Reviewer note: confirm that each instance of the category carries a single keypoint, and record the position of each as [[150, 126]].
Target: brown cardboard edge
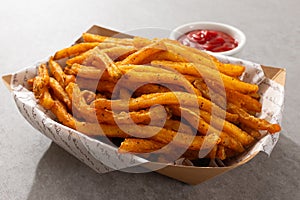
[[7, 79], [275, 73], [188, 174]]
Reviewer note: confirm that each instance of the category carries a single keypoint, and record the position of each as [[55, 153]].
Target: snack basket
[[103, 158]]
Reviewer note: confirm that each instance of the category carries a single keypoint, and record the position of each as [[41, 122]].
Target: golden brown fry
[[57, 72], [210, 74], [140, 56], [74, 50], [221, 154], [135, 145], [41, 82], [155, 88], [254, 133], [88, 37], [217, 95], [229, 128], [96, 129], [205, 128], [167, 98], [46, 100], [86, 71], [140, 42], [253, 122], [62, 115], [95, 85], [161, 78], [60, 93], [108, 63], [119, 52], [176, 125], [79, 59], [164, 55], [228, 68], [80, 107]]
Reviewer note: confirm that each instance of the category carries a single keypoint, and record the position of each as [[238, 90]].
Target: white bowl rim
[[178, 31]]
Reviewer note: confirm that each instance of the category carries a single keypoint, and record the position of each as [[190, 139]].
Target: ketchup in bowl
[[210, 40]]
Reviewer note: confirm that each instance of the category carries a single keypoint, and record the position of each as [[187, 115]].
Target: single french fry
[[96, 129], [205, 128], [74, 50], [254, 133], [135, 145], [41, 82], [57, 72], [79, 106], [155, 88], [228, 68], [176, 125], [60, 93], [164, 55], [252, 121], [79, 59], [143, 68], [140, 56], [109, 64], [88, 37], [95, 85], [87, 71], [161, 78], [140, 42], [229, 128], [207, 73], [62, 115], [221, 154]]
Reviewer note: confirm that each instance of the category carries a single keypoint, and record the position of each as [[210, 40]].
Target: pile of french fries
[[159, 96]]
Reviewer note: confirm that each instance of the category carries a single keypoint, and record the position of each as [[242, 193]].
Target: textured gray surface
[[33, 168]]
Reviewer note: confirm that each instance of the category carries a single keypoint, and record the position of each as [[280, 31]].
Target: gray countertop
[[31, 167]]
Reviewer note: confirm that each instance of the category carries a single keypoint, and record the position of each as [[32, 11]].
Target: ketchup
[[211, 40]]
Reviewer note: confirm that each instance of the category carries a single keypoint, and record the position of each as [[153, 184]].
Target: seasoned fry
[[229, 128], [140, 42], [74, 50], [204, 128], [141, 56], [57, 72], [162, 78], [134, 145], [60, 93], [79, 59], [202, 71], [87, 37], [253, 122]]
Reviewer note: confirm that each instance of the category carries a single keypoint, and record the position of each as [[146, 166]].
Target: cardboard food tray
[[75, 143]]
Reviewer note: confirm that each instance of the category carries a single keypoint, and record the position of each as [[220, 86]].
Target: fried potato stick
[[205, 128], [88, 37], [252, 121], [60, 93], [232, 96], [199, 57], [161, 78], [135, 145], [207, 73], [141, 56], [229, 128], [74, 50], [167, 98]]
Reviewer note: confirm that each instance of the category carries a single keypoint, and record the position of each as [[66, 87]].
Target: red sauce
[[215, 41]]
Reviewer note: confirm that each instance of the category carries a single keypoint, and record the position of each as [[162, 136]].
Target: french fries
[[111, 87]]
